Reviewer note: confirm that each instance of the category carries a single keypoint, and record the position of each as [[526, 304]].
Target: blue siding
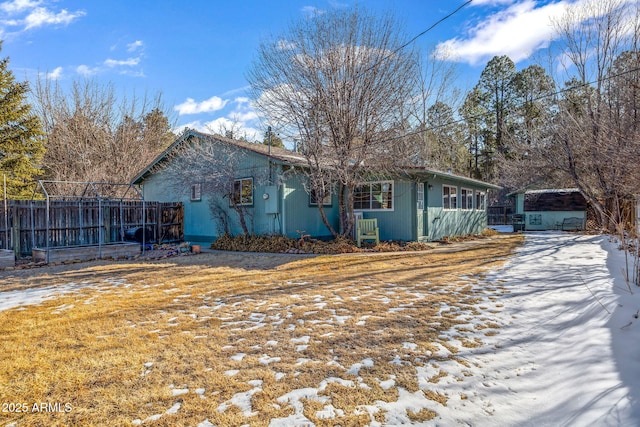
[[400, 223], [199, 223], [300, 216], [442, 222], [288, 211]]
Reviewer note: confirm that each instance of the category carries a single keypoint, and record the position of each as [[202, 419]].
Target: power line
[[435, 24], [541, 97], [438, 22]]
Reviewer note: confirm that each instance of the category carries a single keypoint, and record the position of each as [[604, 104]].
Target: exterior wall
[[545, 219], [287, 209], [298, 214], [400, 223], [550, 220], [442, 222], [405, 222], [520, 203], [199, 223]]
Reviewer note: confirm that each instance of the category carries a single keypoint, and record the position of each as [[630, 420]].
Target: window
[[373, 196], [481, 200], [243, 191], [449, 197], [196, 192], [535, 219], [326, 200], [420, 196], [466, 198]]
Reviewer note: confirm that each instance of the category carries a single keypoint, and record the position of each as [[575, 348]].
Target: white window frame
[[420, 196], [466, 198], [448, 196], [196, 192], [390, 196], [481, 201], [238, 185]]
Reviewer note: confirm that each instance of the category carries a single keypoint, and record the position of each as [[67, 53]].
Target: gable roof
[[280, 155], [284, 156]]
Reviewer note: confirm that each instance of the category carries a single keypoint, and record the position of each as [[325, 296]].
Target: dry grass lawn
[[243, 338]]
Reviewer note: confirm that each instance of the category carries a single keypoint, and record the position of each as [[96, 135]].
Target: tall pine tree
[[21, 136]]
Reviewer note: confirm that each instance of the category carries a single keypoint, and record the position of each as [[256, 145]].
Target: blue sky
[[196, 52]]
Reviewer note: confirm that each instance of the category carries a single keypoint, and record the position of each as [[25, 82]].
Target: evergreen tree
[[495, 94], [21, 136], [276, 141]]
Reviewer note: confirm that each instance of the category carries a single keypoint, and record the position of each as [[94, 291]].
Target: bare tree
[[209, 167], [431, 123], [597, 142], [91, 135], [338, 82], [587, 135]]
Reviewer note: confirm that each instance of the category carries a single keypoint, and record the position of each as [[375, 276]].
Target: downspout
[[284, 210]]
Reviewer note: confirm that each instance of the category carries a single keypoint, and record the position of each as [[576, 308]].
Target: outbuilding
[[550, 209]]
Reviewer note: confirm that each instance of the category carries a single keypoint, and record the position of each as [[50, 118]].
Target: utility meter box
[[270, 197]]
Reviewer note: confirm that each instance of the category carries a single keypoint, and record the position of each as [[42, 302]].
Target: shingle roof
[[285, 156], [279, 154]]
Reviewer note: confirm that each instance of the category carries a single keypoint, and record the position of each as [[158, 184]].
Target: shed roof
[[554, 200]]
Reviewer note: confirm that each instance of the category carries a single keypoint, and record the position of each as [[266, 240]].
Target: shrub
[[282, 244]]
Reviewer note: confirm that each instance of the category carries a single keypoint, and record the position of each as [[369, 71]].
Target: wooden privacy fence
[[26, 224]]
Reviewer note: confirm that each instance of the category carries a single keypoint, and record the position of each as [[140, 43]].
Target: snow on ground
[[566, 354], [502, 228], [34, 296]]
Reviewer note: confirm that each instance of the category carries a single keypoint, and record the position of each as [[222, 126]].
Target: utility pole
[[269, 153]]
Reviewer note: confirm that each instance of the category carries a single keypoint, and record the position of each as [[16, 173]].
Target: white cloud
[[218, 125], [34, 14], [244, 111], [132, 47], [86, 70], [243, 119], [241, 130], [311, 10], [516, 31], [55, 74], [42, 16], [17, 6], [190, 106], [129, 62], [490, 2]]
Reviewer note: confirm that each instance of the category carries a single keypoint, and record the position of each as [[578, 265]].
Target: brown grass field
[[225, 337]]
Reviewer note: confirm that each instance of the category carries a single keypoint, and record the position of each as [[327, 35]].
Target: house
[[418, 205], [549, 209]]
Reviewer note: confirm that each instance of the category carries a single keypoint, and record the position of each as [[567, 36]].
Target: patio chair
[[367, 229]]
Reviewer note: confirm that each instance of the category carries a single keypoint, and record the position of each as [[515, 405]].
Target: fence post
[[107, 221], [15, 230], [159, 222]]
